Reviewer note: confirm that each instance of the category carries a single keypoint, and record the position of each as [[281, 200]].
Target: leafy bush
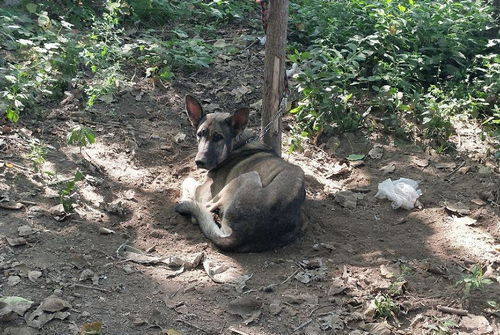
[[425, 59]]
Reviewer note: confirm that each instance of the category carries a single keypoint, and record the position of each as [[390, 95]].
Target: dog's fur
[[256, 195]]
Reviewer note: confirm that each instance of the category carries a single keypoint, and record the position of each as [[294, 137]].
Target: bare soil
[[321, 284]]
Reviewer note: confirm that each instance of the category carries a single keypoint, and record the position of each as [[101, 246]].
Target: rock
[[34, 275], [57, 210], [19, 331], [389, 168], [476, 324], [275, 307], [180, 137], [376, 152], [54, 304], [16, 241], [13, 280], [247, 307], [25, 230], [346, 199]]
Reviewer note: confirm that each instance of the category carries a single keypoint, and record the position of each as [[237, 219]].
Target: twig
[[289, 277], [318, 308], [92, 287], [192, 325], [451, 310], [458, 168], [237, 331], [26, 202], [301, 326]]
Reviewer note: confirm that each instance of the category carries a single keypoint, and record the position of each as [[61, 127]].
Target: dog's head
[[215, 132]]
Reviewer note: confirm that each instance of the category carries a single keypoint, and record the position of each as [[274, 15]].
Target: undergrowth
[[402, 64]]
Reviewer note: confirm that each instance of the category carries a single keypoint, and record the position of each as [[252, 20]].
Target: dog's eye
[[217, 137]]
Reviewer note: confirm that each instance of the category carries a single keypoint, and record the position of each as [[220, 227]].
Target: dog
[[251, 199]]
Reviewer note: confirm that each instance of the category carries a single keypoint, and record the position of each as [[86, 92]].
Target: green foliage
[[52, 45], [80, 136], [474, 281], [421, 60], [385, 306], [442, 327], [37, 154], [66, 192]]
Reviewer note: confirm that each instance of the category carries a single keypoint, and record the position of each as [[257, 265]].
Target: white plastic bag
[[403, 192]]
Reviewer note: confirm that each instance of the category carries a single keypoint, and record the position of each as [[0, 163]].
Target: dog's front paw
[[183, 207]]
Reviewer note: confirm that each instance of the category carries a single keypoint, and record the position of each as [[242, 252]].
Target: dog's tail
[[220, 236]]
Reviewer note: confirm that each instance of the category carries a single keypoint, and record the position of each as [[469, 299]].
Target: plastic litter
[[403, 192]]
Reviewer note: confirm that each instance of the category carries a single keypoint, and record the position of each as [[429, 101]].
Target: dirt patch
[[324, 283]]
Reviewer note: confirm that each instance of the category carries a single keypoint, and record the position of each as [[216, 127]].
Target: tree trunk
[[274, 73]]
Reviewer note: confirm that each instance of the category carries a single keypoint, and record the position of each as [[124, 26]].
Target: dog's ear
[[194, 110], [239, 120]]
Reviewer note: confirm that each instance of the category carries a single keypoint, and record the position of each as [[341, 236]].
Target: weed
[[474, 281], [423, 61], [67, 191], [442, 327], [81, 137], [385, 306], [399, 283], [37, 154]]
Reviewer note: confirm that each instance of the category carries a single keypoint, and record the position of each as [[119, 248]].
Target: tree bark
[[274, 73]]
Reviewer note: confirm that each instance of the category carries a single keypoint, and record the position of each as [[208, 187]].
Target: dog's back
[[263, 217]]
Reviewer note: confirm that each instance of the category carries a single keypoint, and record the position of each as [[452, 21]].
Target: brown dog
[[255, 195]]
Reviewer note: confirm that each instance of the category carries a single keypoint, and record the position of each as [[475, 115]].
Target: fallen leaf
[[389, 168], [220, 43], [355, 157], [171, 332], [421, 162], [18, 305], [93, 328]]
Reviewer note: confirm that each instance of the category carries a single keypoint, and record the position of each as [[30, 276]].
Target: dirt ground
[[125, 259]]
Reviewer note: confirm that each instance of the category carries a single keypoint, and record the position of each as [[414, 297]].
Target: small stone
[[13, 280], [376, 152], [180, 137], [477, 324], [17, 241], [346, 199], [128, 269], [34, 275], [25, 231], [85, 314], [54, 304]]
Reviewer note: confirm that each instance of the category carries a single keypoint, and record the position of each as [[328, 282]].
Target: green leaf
[[355, 157], [12, 115], [31, 7]]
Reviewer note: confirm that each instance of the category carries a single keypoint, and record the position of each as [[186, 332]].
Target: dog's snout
[[200, 163]]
